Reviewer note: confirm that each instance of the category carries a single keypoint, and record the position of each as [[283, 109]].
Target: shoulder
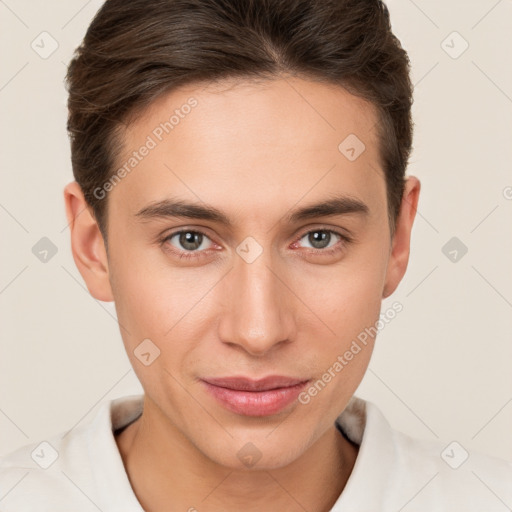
[[49, 473], [394, 471], [80, 469], [446, 474]]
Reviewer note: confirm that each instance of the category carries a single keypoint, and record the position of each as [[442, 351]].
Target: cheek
[[352, 318], [347, 296], [151, 305], [151, 308], [343, 357], [164, 304], [347, 299]]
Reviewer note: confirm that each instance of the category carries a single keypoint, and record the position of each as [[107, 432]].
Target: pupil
[[190, 240], [319, 239]]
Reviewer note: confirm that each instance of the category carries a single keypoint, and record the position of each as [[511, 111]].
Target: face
[[244, 242]]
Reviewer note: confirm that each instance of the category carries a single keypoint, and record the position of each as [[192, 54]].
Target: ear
[[400, 247], [87, 244]]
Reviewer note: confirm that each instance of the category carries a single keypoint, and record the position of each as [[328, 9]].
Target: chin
[[256, 453]]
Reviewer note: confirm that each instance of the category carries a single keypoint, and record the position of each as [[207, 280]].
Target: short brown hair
[[136, 50]]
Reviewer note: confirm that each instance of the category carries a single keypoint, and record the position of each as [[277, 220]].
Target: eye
[[323, 241], [320, 238], [188, 241]]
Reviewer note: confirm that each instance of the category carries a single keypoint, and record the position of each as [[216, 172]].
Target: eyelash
[[345, 240]]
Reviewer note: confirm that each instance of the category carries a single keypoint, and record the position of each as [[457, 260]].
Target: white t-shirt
[[83, 470]]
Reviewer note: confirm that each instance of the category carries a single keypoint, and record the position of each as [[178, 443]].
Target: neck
[[167, 472]]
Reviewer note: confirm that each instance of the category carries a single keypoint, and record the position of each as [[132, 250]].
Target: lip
[[249, 397]]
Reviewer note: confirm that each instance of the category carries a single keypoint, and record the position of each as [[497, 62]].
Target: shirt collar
[[114, 490], [370, 480]]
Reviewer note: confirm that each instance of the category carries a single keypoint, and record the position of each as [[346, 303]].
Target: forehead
[[271, 112], [273, 140]]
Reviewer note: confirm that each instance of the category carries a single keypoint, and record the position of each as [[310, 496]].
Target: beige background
[[442, 367]]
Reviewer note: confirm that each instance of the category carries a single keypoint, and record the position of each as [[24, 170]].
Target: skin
[[255, 151]]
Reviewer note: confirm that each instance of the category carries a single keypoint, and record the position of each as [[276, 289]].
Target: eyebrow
[[168, 208]]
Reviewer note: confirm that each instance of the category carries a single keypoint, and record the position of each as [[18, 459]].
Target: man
[[241, 195]]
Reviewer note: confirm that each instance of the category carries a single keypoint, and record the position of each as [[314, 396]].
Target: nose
[[258, 312]]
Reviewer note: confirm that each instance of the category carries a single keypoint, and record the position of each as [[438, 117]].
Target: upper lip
[[247, 384]]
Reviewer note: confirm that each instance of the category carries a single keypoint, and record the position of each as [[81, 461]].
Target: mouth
[[248, 397]]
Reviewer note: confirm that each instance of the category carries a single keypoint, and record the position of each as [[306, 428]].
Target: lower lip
[[255, 403]]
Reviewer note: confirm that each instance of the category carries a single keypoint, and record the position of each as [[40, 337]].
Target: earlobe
[[87, 244], [401, 242]]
